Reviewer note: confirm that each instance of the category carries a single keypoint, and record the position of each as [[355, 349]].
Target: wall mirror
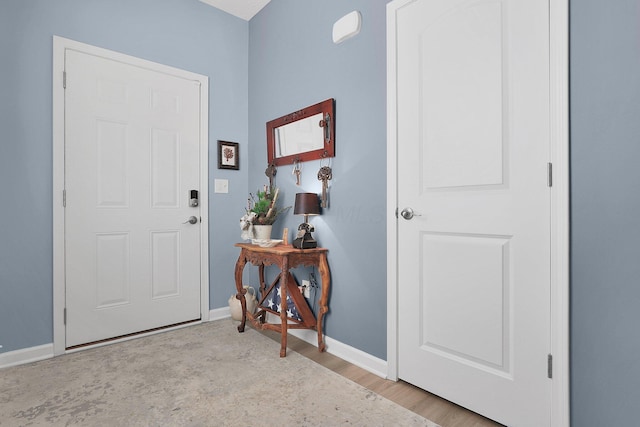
[[307, 134]]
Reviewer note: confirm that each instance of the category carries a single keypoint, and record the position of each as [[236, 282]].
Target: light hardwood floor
[[413, 398]]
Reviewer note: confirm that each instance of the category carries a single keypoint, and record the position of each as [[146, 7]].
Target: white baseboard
[[26, 355], [343, 351], [346, 352], [219, 313]]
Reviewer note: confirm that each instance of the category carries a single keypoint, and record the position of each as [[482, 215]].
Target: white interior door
[[131, 160], [474, 260]]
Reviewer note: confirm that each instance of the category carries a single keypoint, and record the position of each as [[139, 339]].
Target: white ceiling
[[244, 9]]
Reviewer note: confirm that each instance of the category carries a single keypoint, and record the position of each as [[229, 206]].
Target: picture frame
[[228, 155]]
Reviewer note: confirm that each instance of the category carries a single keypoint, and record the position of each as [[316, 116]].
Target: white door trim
[[559, 139], [60, 44]]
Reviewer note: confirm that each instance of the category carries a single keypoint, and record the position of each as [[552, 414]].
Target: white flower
[[246, 225]]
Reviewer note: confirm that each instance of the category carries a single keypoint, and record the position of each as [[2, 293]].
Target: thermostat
[[347, 27]]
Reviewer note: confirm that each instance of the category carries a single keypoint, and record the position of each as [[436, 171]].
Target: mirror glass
[[303, 135], [298, 137]]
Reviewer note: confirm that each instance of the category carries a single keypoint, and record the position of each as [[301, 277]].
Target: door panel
[[113, 284], [112, 164], [165, 167], [473, 146], [461, 97], [131, 159], [464, 284], [165, 255]]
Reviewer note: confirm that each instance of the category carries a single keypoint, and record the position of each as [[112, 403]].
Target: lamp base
[[305, 242]]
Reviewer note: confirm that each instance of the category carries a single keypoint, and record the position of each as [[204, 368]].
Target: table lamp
[[306, 204]]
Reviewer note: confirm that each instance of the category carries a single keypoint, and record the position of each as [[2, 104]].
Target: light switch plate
[[221, 185]]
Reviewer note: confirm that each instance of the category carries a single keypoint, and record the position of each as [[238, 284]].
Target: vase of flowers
[[262, 232], [260, 214]]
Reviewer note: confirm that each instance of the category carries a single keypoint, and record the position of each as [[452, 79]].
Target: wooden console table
[[286, 257]]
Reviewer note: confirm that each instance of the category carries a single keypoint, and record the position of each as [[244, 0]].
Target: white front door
[[473, 150], [132, 157]]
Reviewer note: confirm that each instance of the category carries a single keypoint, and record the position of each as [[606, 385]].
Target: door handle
[[408, 213], [192, 220]]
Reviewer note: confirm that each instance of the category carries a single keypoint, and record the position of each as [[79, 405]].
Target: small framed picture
[[228, 155]]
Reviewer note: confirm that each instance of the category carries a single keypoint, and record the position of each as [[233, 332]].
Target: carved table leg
[[242, 261], [325, 277]]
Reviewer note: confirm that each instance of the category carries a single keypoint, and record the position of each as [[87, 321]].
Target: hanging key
[[324, 175], [296, 171], [271, 172]]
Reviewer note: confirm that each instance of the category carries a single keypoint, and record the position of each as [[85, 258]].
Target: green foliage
[[263, 205]]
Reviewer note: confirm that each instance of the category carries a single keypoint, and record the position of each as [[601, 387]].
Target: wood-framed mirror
[[306, 134]]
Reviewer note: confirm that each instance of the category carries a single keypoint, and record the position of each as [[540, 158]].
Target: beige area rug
[[204, 375]]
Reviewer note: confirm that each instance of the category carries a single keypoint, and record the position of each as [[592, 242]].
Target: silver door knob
[[408, 213], [192, 220]]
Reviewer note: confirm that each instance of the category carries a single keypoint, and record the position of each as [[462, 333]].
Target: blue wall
[[605, 201], [186, 34], [290, 68], [294, 63]]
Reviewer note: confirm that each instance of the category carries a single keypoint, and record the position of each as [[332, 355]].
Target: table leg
[[325, 277], [284, 279], [242, 261], [263, 289]]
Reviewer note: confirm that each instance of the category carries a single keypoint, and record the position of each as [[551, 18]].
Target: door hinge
[[64, 79], [65, 316], [64, 198], [396, 212], [549, 366], [550, 174]]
